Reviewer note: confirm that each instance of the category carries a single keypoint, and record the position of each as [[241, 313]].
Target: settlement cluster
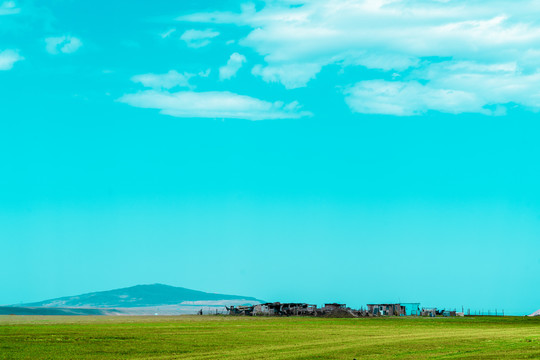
[[339, 310]]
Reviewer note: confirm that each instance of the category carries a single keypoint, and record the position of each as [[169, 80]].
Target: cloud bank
[[204, 104], [458, 56], [212, 104]]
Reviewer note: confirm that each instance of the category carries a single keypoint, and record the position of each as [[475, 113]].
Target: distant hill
[[536, 313], [18, 310], [143, 296]]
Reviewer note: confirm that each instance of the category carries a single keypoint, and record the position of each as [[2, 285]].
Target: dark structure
[[336, 310], [285, 309], [334, 306], [449, 313], [431, 312], [297, 309], [275, 309], [240, 310]]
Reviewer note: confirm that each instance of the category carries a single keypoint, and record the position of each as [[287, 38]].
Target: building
[[285, 309], [386, 309], [336, 310], [241, 310], [449, 313], [431, 312], [269, 309], [299, 309], [412, 309], [333, 307]]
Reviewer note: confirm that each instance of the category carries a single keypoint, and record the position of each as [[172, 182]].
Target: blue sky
[[330, 150]]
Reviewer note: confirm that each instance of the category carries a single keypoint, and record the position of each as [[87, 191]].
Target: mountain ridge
[[138, 296]]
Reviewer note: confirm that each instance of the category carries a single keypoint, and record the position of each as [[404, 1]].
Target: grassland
[[223, 337]]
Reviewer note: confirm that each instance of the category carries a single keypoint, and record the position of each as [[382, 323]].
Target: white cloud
[[234, 64], [212, 104], [450, 87], [292, 76], [206, 73], [452, 46], [9, 8], [62, 44], [8, 58], [163, 81], [198, 38], [408, 98], [167, 33]]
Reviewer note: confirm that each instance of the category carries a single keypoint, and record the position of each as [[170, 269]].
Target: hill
[[18, 310], [143, 296]]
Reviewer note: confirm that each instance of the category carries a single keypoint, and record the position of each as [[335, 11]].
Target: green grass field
[[223, 337]]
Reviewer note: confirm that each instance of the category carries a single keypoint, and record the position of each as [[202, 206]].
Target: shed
[[386, 309], [431, 312], [412, 309]]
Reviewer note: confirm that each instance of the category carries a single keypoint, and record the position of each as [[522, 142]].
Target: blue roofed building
[[412, 309]]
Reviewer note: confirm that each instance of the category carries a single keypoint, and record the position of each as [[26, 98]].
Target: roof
[[384, 304]]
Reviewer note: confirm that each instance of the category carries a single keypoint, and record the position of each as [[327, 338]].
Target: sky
[[354, 151]]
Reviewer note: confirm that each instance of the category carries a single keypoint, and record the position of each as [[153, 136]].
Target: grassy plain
[[223, 337]]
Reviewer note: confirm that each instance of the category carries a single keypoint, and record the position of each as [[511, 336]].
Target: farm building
[[336, 310], [240, 310], [431, 312], [333, 306], [386, 309], [299, 309], [295, 309], [275, 309], [286, 309], [412, 309], [449, 313], [340, 310], [266, 309]]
